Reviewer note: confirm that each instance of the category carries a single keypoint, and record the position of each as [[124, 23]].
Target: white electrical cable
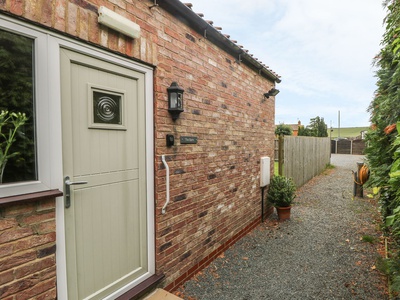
[[163, 211]]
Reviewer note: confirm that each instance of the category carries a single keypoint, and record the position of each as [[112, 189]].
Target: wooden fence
[[348, 146], [304, 157]]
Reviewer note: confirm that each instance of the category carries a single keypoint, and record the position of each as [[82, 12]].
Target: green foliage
[[383, 141], [385, 113], [316, 128], [14, 121], [281, 192], [393, 188], [368, 239], [391, 267], [17, 95], [304, 131], [329, 166], [283, 129]]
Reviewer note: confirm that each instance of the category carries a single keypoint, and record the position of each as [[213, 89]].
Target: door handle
[[67, 188]]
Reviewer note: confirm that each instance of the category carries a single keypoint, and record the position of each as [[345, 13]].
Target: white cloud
[[322, 49]]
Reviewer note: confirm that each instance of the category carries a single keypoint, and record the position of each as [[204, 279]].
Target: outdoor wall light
[[271, 92], [175, 100]]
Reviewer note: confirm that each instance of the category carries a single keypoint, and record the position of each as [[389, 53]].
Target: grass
[[368, 239], [347, 132], [329, 166], [276, 167]]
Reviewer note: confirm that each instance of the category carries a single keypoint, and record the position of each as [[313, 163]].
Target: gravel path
[[318, 254]]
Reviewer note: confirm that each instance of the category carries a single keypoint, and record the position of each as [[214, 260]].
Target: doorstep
[[160, 294]]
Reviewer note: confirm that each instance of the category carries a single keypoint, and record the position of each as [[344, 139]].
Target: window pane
[[17, 96], [106, 108]]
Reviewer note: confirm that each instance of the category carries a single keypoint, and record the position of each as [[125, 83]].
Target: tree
[[283, 129], [304, 131], [316, 128]]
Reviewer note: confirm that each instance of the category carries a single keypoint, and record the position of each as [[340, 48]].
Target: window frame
[[41, 106]]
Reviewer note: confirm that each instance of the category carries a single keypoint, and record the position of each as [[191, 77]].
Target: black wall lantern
[[175, 100], [271, 92]]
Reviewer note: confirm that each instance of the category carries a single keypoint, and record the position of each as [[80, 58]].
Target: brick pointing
[[214, 184], [27, 267]]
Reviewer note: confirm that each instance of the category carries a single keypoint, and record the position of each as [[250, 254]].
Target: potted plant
[[9, 125], [281, 194]]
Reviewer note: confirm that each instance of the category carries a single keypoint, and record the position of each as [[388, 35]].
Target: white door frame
[[48, 45], [55, 44]]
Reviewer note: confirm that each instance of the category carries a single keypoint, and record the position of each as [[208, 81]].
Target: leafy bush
[[14, 121], [383, 150], [382, 139], [17, 95], [391, 268], [316, 128], [281, 192], [283, 129]]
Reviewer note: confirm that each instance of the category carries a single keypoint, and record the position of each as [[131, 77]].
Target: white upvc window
[[24, 80]]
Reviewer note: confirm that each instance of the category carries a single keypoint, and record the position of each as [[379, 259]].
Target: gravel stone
[[317, 254]]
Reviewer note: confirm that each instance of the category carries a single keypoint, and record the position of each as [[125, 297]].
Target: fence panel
[[344, 147], [348, 146], [358, 147], [305, 157]]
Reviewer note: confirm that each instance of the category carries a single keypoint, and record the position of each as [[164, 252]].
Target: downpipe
[[164, 209]]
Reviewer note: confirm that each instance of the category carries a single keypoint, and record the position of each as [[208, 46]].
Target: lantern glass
[[179, 100], [173, 98]]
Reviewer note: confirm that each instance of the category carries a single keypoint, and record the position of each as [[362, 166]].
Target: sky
[[323, 51]]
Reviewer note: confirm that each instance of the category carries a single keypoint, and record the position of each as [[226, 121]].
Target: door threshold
[[161, 294], [142, 288]]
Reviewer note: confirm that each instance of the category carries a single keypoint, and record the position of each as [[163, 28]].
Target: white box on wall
[[265, 171]]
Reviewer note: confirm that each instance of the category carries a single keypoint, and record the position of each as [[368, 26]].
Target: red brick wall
[[214, 184], [27, 250], [215, 191]]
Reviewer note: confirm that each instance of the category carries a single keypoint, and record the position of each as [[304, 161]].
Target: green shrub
[[281, 192]]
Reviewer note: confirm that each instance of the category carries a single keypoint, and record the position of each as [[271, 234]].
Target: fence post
[[351, 147], [336, 142], [281, 159]]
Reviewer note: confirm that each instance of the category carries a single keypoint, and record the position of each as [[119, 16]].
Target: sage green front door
[[103, 123]]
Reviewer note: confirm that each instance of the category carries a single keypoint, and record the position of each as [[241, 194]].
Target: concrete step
[[160, 294]]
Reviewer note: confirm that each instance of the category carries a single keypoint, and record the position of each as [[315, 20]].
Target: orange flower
[[390, 128]]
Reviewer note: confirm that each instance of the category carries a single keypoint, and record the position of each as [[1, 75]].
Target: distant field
[[347, 132]]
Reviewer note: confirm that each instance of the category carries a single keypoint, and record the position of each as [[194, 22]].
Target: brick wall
[[27, 250], [214, 184], [78, 18], [215, 193]]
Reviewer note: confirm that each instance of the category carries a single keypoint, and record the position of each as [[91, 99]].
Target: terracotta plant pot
[[283, 213]]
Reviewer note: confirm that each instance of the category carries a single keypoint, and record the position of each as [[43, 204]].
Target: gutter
[[183, 13]]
